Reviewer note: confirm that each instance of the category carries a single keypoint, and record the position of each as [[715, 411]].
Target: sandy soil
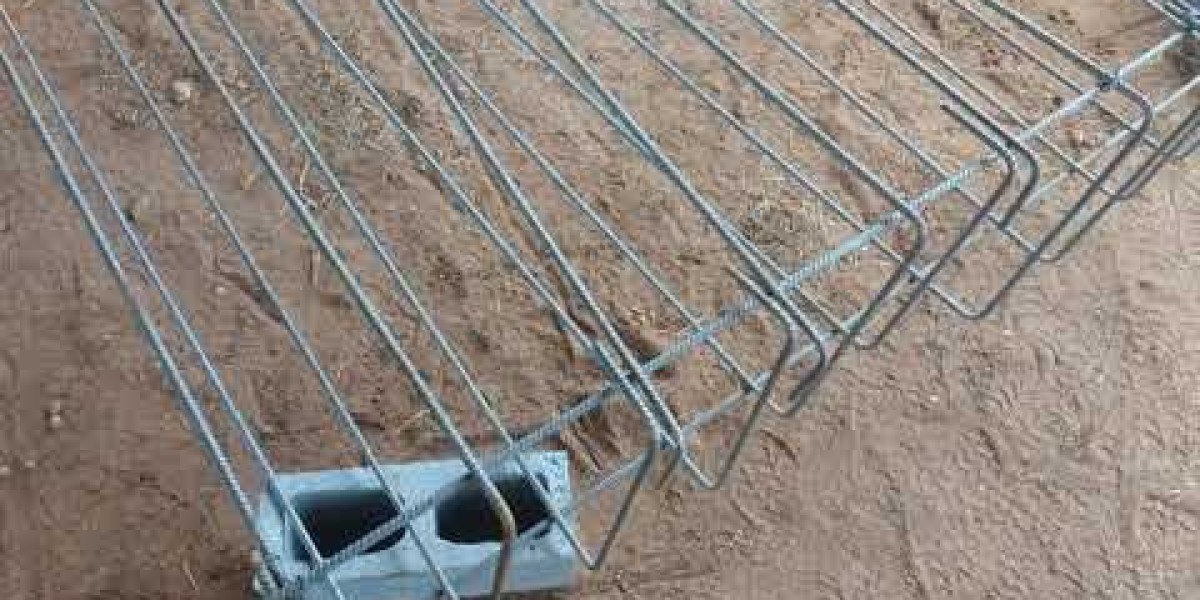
[[1052, 452]]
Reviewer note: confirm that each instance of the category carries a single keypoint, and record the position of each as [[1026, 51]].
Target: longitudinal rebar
[[924, 172]]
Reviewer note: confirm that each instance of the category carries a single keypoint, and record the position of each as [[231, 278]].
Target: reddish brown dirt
[[1051, 452]]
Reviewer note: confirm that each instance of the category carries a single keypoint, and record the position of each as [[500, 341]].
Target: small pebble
[[56, 422], [182, 91], [5, 471], [30, 464], [1079, 139]]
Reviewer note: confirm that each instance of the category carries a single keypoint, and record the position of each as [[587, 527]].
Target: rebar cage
[[627, 229]]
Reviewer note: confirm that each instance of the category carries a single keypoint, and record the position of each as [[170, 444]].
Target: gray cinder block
[[338, 507]]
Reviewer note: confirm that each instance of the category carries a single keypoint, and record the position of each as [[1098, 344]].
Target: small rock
[[1047, 358], [646, 343], [1079, 139], [182, 91], [126, 118], [29, 464], [368, 420], [931, 12], [56, 422], [5, 471], [264, 428]]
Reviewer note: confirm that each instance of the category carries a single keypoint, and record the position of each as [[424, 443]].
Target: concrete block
[[341, 506]]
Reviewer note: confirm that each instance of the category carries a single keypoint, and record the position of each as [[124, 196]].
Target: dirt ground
[[1052, 451]]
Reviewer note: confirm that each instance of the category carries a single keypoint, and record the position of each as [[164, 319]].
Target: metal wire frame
[[795, 172], [952, 183], [922, 277], [410, 28], [1132, 134], [180, 320], [768, 284], [611, 109], [900, 42], [618, 105], [800, 393], [925, 281], [561, 262]]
